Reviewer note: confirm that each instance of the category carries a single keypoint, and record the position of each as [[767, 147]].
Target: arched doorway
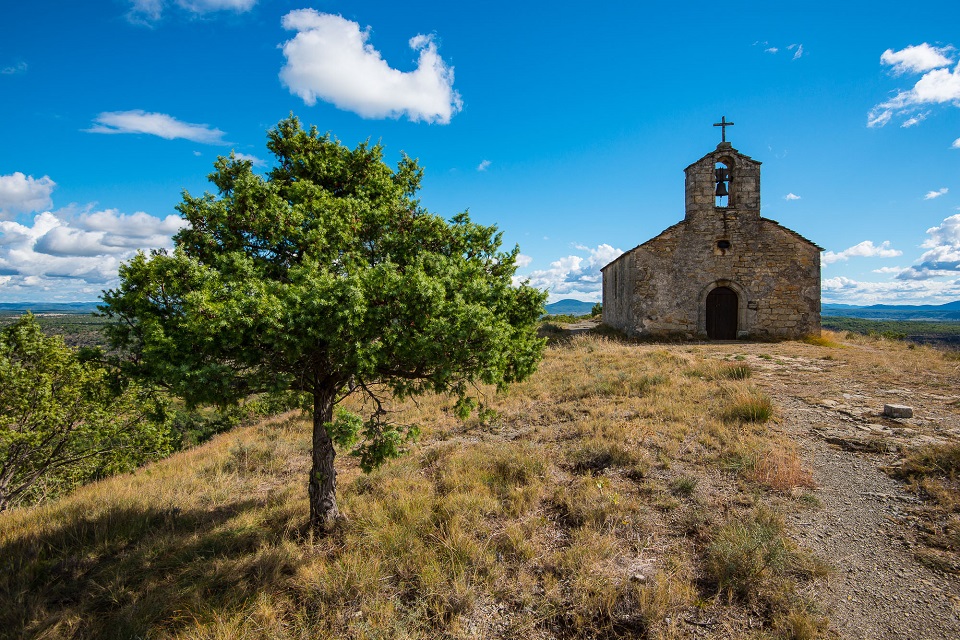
[[722, 314]]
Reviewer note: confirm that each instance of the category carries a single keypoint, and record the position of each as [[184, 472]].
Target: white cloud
[[849, 291], [20, 193], [254, 160], [574, 276], [523, 261], [75, 254], [865, 249], [147, 11], [791, 196], [937, 85], [915, 120], [483, 166], [888, 270], [207, 6], [796, 48], [157, 124], [956, 144], [943, 252], [879, 118], [20, 67], [936, 194], [917, 58], [330, 59]]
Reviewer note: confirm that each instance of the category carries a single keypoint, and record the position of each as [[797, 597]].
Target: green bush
[[65, 422]]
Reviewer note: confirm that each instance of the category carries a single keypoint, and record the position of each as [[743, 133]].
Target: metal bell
[[722, 189]]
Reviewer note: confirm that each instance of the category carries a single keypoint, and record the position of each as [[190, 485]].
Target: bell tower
[[724, 183]]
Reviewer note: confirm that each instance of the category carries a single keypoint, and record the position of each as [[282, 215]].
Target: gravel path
[[877, 588]]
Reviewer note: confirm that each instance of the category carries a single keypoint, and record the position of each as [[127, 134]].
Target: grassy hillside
[[624, 491]]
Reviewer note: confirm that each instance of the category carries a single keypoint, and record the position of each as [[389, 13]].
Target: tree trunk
[[323, 475]]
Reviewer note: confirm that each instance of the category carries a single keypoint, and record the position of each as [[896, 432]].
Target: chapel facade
[[723, 272]]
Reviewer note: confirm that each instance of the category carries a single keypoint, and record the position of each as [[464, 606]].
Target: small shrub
[[825, 339], [748, 406], [779, 468], [737, 372], [721, 371], [683, 486], [598, 454], [745, 553], [249, 458], [935, 460], [750, 559]]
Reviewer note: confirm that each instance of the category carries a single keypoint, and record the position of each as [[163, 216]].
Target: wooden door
[[722, 314]]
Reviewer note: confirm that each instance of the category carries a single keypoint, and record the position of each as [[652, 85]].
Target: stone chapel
[[723, 272]]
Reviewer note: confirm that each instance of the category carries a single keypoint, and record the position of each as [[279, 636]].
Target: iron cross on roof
[[723, 124]]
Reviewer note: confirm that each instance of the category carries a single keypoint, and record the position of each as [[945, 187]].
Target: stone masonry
[[663, 287]]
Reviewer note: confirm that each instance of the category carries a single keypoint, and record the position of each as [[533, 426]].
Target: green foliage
[[596, 310], [325, 277], [64, 422], [894, 329]]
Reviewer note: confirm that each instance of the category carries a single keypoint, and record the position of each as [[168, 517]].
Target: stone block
[[897, 411]]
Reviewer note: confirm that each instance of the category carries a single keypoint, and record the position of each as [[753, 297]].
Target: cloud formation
[[148, 11], [936, 194], [13, 69], [849, 291], [937, 85], [791, 196], [156, 124], [75, 254], [917, 58], [330, 59], [942, 257], [767, 48], [915, 120], [865, 249], [20, 193], [484, 165], [574, 276]]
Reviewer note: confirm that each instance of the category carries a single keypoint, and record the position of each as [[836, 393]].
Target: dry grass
[[612, 462], [780, 468], [826, 338], [933, 472]]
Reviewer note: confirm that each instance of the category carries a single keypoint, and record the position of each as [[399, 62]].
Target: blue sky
[[567, 125]]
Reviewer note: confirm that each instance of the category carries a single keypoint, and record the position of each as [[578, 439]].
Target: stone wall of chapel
[[662, 283], [660, 288]]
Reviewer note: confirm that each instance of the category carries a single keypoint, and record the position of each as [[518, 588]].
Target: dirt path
[[877, 589]]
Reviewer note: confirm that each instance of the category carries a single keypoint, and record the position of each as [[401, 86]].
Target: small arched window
[[723, 178]]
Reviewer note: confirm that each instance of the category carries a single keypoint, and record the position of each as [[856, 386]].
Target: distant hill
[[9, 308], [931, 312], [569, 307]]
